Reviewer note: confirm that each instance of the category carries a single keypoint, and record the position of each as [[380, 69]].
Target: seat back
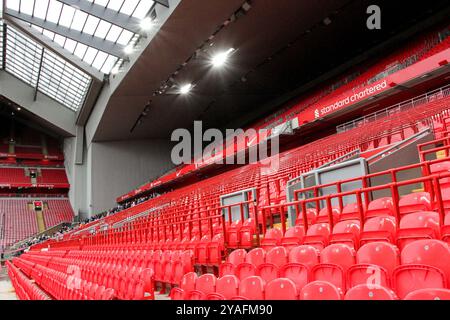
[[304, 254], [188, 281], [380, 207], [227, 286], [256, 256], [413, 202], [296, 272], [429, 294], [408, 278], [206, 283], [237, 256], [320, 290], [277, 256], [369, 292], [281, 289], [252, 288], [381, 254], [429, 252]]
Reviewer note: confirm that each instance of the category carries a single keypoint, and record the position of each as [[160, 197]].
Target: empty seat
[[379, 229], [272, 238], [311, 216], [418, 225], [320, 290], [380, 207], [334, 263], [252, 288], [318, 235], [408, 278], [234, 258], [323, 216], [350, 212], [293, 237], [375, 263], [206, 283], [245, 270], [419, 201], [296, 272], [304, 254], [227, 286], [256, 257], [275, 258], [369, 292], [429, 294], [281, 289], [425, 264], [347, 232]]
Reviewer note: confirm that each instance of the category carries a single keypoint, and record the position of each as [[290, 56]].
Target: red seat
[[267, 271], [425, 264], [281, 289], [320, 290], [375, 263], [418, 225], [350, 212], [428, 252], [215, 249], [419, 201], [379, 229], [334, 263], [293, 237], [304, 254], [256, 257], [380, 207], [429, 294], [408, 278], [233, 233], [245, 270], [235, 258], [347, 232], [227, 286], [323, 215], [188, 282], [252, 288], [277, 256], [311, 216], [272, 238], [202, 251], [246, 233], [206, 283], [369, 292], [318, 235], [296, 272]]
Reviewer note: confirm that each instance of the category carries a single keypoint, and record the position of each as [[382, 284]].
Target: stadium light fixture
[[128, 49], [186, 88], [220, 59], [146, 23]]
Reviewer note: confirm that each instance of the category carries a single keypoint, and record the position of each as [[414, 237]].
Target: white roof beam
[[122, 20], [110, 47], [48, 43]]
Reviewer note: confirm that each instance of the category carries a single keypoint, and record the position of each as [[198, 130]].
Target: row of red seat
[[423, 264], [124, 277], [24, 287]]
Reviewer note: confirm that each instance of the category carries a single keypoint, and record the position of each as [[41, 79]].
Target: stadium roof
[[59, 46]]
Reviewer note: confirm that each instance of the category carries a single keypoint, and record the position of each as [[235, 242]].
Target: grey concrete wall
[[115, 168]]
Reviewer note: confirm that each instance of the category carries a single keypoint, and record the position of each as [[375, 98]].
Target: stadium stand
[[355, 206]]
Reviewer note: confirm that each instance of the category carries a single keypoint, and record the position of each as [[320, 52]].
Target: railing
[[402, 106], [300, 205]]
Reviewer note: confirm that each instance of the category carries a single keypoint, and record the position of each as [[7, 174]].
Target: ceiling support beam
[[165, 3], [48, 43], [122, 20], [110, 47]]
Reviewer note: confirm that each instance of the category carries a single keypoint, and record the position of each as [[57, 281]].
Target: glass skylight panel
[[22, 57], [62, 81], [73, 18]]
